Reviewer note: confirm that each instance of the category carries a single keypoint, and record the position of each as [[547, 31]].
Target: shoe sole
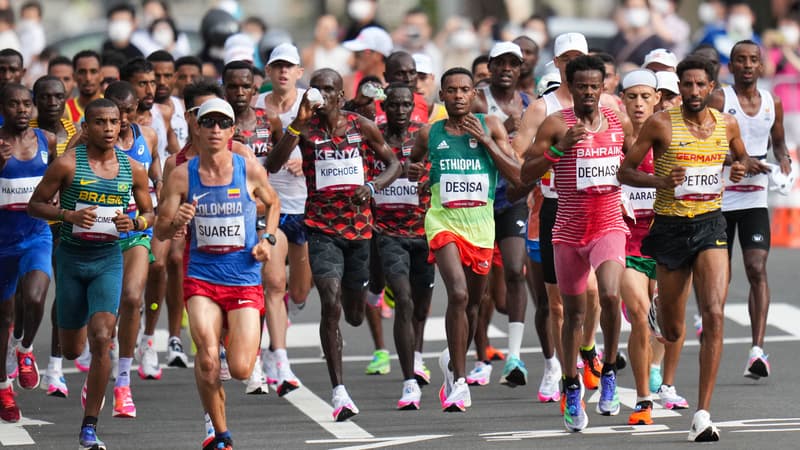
[[124, 415], [479, 382], [177, 362], [710, 434], [514, 378], [640, 422], [574, 429], [549, 398], [455, 408], [144, 376], [286, 388], [607, 413], [257, 391], [757, 370], [378, 372], [93, 447], [57, 393], [345, 414], [413, 406], [422, 381], [676, 405]]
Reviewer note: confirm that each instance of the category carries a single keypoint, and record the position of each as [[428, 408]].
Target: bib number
[[749, 183], [103, 229], [219, 234], [701, 184], [638, 202], [464, 191], [339, 174], [402, 193], [15, 193], [597, 175]]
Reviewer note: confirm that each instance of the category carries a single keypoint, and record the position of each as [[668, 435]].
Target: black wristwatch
[[269, 237]]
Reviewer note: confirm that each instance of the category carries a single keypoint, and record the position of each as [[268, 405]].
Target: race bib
[[103, 229], [219, 234], [464, 191], [749, 183], [548, 183], [15, 193], [402, 193], [597, 175], [637, 201], [339, 174], [701, 184]]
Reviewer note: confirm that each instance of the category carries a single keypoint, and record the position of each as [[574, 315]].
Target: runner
[[139, 143], [94, 182], [25, 242], [223, 273], [460, 223], [689, 145], [86, 70], [503, 99], [61, 68], [639, 96], [283, 70], [188, 70], [584, 145], [530, 57], [400, 233], [335, 146], [12, 69]]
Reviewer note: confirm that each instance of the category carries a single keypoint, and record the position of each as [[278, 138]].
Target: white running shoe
[[83, 361], [757, 364], [12, 367], [480, 375], [176, 357], [670, 398], [256, 384], [148, 361], [459, 399], [549, 390], [411, 396], [84, 393], [343, 406], [54, 383], [421, 372], [224, 370], [269, 366], [703, 429], [447, 383], [287, 381]]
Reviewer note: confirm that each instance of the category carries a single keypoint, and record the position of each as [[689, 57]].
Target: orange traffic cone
[[786, 227]]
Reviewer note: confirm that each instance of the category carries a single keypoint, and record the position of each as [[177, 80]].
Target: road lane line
[[322, 413]]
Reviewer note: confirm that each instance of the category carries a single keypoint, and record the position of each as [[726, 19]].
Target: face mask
[[706, 13], [463, 40], [163, 37], [360, 10], [740, 24], [791, 34], [27, 24], [536, 36], [661, 6], [637, 17], [119, 30]]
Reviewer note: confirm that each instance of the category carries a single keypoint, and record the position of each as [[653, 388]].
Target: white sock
[[552, 363], [145, 339], [648, 398], [418, 358], [54, 365], [409, 381], [124, 376], [756, 350], [280, 355], [515, 330], [373, 299], [23, 349]]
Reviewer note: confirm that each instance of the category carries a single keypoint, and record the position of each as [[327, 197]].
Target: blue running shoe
[[575, 418], [89, 441], [514, 372], [656, 380], [609, 400]]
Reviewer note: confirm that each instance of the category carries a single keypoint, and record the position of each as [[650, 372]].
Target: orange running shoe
[[591, 372], [494, 354], [642, 414]]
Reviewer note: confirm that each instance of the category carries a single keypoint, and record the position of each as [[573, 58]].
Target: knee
[[175, 261], [298, 294], [240, 368], [157, 268], [713, 318], [515, 275], [556, 311], [331, 311], [673, 332], [207, 365], [458, 297], [130, 300], [609, 299], [100, 343], [756, 271]]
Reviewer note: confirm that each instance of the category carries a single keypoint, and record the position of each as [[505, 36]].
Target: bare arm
[[154, 173], [262, 190], [51, 146], [141, 194], [280, 153], [500, 150], [778, 138], [737, 149], [531, 121], [652, 136], [536, 164], [374, 139], [173, 214], [58, 174]]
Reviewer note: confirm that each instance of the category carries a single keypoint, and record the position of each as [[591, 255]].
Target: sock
[[89, 421], [54, 365], [756, 350], [655, 366], [515, 330], [339, 390], [5, 384], [609, 368], [23, 349], [373, 299], [223, 435], [13, 342], [208, 424], [588, 352], [647, 398], [124, 375], [418, 358], [409, 381], [145, 339], [280, 355], [551, 363], [571, 382]]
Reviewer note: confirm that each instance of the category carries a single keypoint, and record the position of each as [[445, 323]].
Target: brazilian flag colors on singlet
[[88, 189], [703, 158], [463, 181]]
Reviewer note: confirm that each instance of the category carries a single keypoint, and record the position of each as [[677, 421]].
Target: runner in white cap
[[660, 60], [371, 47]]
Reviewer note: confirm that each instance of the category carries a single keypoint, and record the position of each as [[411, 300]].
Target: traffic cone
[[786, 227]]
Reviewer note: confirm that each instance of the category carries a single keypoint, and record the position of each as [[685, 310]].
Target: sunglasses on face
[[209, 122]]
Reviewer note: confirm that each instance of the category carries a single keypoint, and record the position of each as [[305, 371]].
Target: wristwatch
[[269, 237]]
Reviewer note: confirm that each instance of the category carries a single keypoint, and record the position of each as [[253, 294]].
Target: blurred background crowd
[[450, 32]]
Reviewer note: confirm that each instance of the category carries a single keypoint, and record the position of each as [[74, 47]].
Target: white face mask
[[536, 36], [637, 17], [163, 37], [791, 34], [119, 30], [706, 13], [740, 24], [661, 6], [360, 10]]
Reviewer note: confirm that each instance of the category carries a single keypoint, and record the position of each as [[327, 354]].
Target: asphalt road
[[750, 414]]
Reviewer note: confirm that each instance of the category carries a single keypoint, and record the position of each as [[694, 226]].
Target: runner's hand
[[573, 135], [185, 214], [123, 222], [5, 150], [512, 124], [362, 195], [262, 250], [473, 126], [737, 171], [416, 171], [84, 218], [676, 176], [786, 166], [295, 166], [755, 166], [304, 112]]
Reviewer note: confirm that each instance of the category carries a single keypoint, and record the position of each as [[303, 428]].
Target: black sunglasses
[[209, 122]]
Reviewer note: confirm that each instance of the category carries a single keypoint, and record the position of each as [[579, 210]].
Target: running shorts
[[478, 259], [753, 227], [138, 239], [675, 241], [547, 219], [88, 281], [228, 298], [406, 257], [510, 222], [642, 264], [573, 264], [294, 228], [18, 260], [339, 258]]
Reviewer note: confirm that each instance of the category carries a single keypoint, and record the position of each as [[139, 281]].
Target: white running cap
[[216, 105], [285, 52], [570, 41], [661, 56], [640, 77], [501, 48], [667, 80], [371, 38]]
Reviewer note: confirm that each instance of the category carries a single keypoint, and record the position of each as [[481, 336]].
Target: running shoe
[[256, 384], [292, 307], [287, 381], [656, 380], [224, 370], [270, 369], [12, 369], [176, 357], [575, 418], [421, 373], [548, 389], [622, 361], [220, 444], [343, 406], [698, 326], [652, 320], [83, 361], [480, 375], [54, 383], [609, 400], [411, 396], [757, 364], [670, 398], [123, 403], [28, 377], [591, 372], [148, 361], [459, 399], [514, 372], [88, 439], [380, 364], [703, 429], [642, 414], [211, 436], [83, 397], [447, 383], [493, 354], [9, 411]]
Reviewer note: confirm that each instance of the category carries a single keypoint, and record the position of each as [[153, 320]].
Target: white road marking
[[627, 397], [15, 434], [538, 434], [782, 316], [322, 413], [377, 442]]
